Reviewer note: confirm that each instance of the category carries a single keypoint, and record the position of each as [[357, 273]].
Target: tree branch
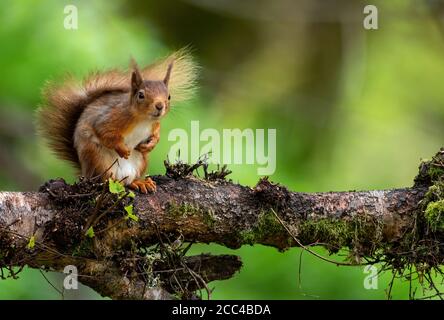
[[373, 225]]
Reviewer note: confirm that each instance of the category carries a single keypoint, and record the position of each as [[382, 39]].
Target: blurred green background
[[353, 108]]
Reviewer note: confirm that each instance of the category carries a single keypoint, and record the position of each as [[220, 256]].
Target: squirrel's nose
[[159, 106]]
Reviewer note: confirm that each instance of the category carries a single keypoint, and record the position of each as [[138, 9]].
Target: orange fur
[[97, 122]]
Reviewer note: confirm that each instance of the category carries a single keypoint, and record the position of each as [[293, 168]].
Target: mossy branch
[[139, 257]]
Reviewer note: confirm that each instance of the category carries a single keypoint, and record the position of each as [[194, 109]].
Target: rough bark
[[206, 211]]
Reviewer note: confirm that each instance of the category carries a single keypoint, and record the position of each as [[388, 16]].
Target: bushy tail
[[64, 103]]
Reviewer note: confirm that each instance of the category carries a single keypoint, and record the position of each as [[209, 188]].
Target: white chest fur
[[139, 133], [129, 168]]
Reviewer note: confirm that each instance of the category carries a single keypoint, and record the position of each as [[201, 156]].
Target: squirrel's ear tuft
[[168, 74], [136, 77], [136, 80]]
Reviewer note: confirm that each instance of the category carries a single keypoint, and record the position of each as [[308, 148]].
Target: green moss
[[435, 172], [434, 215], [267, 227], [208, 218], [433, 206], [361, 234], [187, 209], [247, 237], [182, 210], [84, 248], [335, 232]]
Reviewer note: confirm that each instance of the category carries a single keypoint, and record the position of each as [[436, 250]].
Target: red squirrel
[[108, 124]]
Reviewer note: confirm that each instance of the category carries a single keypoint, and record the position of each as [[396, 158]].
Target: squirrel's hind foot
[[144, 186]]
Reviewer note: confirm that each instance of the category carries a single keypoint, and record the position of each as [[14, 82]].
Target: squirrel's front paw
[[145, 147], [123, 151]]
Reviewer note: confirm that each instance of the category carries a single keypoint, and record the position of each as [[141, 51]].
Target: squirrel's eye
[[141, 95], [169, 97]]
